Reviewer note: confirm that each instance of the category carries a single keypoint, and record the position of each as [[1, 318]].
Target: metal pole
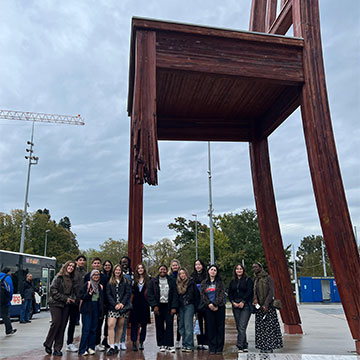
[[23, 226], [46, 232], [196, 238], [212, 257], [295, 278], [323, 257]]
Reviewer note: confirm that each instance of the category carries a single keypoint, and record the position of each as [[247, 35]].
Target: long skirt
[[267, 330]]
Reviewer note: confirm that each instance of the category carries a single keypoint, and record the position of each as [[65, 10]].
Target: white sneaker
[[91, 351], [84, 354], [71, 348], [122, 346], [205, 347], [100, 347], [162, 348], [171, 349], [177, 345]]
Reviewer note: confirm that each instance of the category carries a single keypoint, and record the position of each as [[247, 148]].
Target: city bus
[[42, 269]]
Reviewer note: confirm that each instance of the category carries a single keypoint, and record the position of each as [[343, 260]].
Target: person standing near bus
[[74, 314], [5, 279], [61, 296], [27, 295]]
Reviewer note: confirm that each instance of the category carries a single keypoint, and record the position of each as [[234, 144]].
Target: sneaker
[[111, 351], [141, 346], [134, 347], [183, 349], [28, 321], [84, 354], [205, 347], [57, 353], [100, 347], [162, 348], [240, 351], [171, 349], [245, 350], [71, 348], [105, 343], [177, 345], [91, 351], [12, 332], [47, 349], [200, 347], [122, 346]]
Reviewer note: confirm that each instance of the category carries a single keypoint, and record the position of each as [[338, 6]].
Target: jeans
[[186, 325], [89, 325], [242, 317], [25, 310], [4, 313]]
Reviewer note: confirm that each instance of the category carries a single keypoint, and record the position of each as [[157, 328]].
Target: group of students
[[119, 296]]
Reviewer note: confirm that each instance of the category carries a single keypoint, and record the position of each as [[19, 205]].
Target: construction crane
[[33, 160]]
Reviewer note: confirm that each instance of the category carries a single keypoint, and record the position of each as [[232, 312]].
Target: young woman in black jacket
[[213, 296], [140, 313], [199, 275], [118, 296], [188, 302], [163, 299], [91, 309], [241, 295]]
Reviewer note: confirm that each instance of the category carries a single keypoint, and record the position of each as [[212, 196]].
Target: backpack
[[4, 292]]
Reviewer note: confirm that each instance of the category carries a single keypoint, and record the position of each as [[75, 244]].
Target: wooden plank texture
[[284, 20], [324, 167]]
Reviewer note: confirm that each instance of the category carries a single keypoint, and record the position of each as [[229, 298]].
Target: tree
[[309, 257], [65, 223]]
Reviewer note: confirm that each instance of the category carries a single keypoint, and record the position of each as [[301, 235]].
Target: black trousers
[[73, 319], [4, 313], [135, 331], [98, 330], [215, 326], [201, 338], [59, 318], [164, 325]]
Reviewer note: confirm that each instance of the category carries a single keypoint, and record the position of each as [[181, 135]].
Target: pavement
[[326, 336]]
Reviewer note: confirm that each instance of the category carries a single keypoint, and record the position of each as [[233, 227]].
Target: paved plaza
[[326, 336]]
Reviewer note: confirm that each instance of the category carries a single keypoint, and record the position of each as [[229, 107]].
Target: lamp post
[[196, 238], [46, 232], [33, 160], [212, 257]]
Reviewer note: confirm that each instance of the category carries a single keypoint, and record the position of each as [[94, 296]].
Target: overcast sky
[[71, 57]]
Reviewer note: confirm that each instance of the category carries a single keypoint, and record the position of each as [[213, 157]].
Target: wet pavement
[[326, 336]]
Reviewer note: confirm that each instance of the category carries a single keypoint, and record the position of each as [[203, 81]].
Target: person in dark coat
[[213, 296], [163, 299], [173, 271], [27, 295], [199, 275], [267, 329], [118, 299], [5, 278], [241, 296], [188, 301], [61, 296], [91, 309], [107, 271], [140, 313]]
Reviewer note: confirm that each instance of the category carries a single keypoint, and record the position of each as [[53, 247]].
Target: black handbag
[[126, 308]]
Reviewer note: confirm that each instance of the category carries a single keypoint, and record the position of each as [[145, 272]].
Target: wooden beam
[[284, 20], [270, 233], [325, 171], [270, 13], [258, 15], [249, 59]]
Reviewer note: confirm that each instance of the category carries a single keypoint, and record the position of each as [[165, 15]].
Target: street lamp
[[212, 257], [46, 232], [196, 238]]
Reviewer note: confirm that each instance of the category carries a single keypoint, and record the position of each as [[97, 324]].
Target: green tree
[[309, 257], [113, 250]]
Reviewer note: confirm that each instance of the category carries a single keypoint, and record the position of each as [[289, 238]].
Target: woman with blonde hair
[[188, 301], [173, 272], [118, 295], [60, 297]]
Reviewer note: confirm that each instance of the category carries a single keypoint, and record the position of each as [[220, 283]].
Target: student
[[27, 295], [199, 275], [241, 295], [96, 265], [213, 296], [140, 313], [188, 301], [118, 297], [91, 308], [61, 296], [107, 271], [5, 278], [163, 299], [267, 329], [74, 312], [125, 263], [173, 271]]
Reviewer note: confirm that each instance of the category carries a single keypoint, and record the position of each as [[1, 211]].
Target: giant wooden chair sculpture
[[197, 83]]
